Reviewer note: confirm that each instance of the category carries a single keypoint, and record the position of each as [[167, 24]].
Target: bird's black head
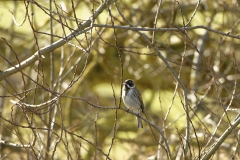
[[129, 83]]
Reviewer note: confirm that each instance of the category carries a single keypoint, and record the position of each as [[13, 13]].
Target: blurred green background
[[82, 131]]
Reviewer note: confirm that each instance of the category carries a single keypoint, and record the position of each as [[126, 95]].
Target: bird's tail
[[139, 121]]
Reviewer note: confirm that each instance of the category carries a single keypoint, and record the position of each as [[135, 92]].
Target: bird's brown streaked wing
[[141, 100]]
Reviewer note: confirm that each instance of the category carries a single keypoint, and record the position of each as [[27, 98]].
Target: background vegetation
[[63, 64]]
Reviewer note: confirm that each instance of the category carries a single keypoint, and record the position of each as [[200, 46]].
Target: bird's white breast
[[130, 101]]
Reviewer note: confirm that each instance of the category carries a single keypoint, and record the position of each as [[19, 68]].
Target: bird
[[132, 99]]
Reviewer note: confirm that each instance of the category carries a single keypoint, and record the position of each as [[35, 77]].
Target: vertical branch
[[156, 20], [185, 143], [121, 74], [50, 120]]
